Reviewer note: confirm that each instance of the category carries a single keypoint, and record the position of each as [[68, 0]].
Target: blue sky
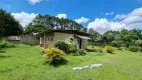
[[101, 15]]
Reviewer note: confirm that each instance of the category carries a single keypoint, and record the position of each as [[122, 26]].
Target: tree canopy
[[35, 28], [45, 22], [56, 23], [117, 38], [8, 24]]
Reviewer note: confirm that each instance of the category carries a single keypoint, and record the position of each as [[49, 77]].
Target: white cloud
[[136, 12], [135, 25], [33, 2], [24, 18], [82, 20], [130, 21], [102, 25], [120, 16], [111, 13], [61, 16], [7, 5], [134, 16]]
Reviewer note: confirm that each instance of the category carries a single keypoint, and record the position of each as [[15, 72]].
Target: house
[[79, 38]]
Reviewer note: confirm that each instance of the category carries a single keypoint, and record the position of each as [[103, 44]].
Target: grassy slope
[[26, 63]]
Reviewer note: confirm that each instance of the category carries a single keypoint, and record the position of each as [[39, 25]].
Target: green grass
[[26, 63]]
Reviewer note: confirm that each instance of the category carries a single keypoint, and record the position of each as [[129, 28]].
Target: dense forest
[[124, 38]]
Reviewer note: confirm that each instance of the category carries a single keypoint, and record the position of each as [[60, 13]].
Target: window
[[48, 39], [51, 39], [71, 39]]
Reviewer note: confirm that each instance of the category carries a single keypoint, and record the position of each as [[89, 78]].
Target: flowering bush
[[109, 49], [54, 56]]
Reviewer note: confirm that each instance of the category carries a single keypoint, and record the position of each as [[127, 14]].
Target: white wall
[[24, 39], [62, 36], [29, 39], [84, 43]]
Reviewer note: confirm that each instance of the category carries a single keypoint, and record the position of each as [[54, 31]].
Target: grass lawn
[[26, 63]]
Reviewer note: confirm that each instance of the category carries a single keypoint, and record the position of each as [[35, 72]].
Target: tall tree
[[8, 25], [56, 23], [110, 35], [94, 34], [129, 36], [30, 29], [95, 37]]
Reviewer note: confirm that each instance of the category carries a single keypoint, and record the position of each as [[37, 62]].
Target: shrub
[[6, 44], [94, 49], [54, 56], [72, 48], [121, 48], [62, 45], [91, 49], [139, 49], [109, 49], [80, 52], [100, 50], [91, 46], [138, 42], [133, 48]]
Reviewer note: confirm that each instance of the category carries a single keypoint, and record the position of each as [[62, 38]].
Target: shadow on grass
[[6, 71], [111, 53], [2, 56], [100, 54], [2, 51], [90, 50], [56, 63], [79, 54]]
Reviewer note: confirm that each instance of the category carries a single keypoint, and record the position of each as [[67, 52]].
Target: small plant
[[72, 48], [62, 45], [120, 48], [54, 56], [6, 44], [100, 50], [139, 49], [91, 49], [80, 52], [133, 48], [109, 49]]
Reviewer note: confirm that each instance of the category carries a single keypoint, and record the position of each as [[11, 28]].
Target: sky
[[100, 15]]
